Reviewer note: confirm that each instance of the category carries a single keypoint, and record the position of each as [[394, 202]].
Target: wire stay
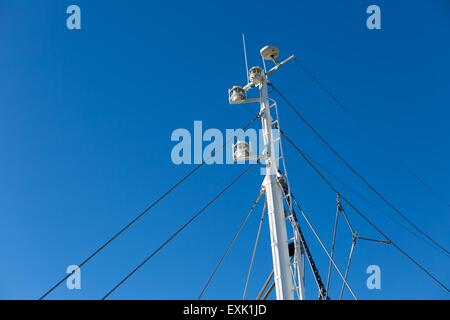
[[179, 230], [264, 287], [364, 180], [138, 217], [323, 246], [315, 271], [364, 216], [347, 268], [255, 246], [407, 228], [333, 241], [371, 134], [227, 250]]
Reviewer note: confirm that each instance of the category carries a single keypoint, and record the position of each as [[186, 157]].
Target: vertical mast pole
[[257, 78], [275, 209]]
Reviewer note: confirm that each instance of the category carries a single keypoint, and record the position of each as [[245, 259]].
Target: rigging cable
[[333, 241], [179, 230], [266, 283], [371, 134], [235, 236], [255, 246], [323, 246], [378, 210], [138, 217], [357, 173], [323, 294], [123, 229], [362, 215], [347, 268], [268, 291], [355, 236]]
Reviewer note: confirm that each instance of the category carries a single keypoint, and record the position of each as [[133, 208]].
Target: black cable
[[361, 214], [263, 289], [357, 173], [138, 217], [269, 291], [374, 240], [287, 194], [371, 134], [402, 225], [195, 216], [333, 241], [233, 239], [255, 247]]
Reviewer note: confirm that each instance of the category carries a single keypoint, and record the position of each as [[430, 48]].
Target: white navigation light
[[241, 151], [256, 75], [237, 95]]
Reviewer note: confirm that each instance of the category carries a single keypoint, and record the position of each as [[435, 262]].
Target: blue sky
[[86, 118]]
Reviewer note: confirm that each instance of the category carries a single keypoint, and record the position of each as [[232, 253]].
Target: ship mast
[[288, 276]]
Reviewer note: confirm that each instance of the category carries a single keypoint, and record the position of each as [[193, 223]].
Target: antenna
[[245, 56]]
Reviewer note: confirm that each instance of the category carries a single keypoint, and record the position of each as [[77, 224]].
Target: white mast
[[283, 274], [275, 209]]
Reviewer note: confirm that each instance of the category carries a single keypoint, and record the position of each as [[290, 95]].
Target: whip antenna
[[245, 56]]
